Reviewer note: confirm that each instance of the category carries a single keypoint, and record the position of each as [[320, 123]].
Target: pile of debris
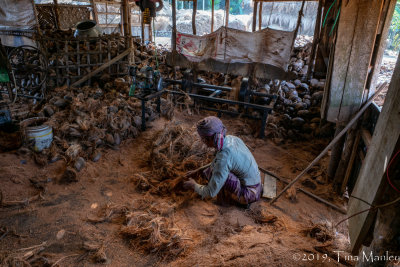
[[90, 118], [300, 56], [175, 151], [150, 227], [297, 112]]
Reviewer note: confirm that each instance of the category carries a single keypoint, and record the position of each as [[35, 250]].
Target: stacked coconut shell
[[87, 119]]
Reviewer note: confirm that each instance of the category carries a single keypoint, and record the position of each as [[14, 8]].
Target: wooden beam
[[337, 138], [194, 16], [380, 45], [371, 180], [351, 162], [366, 137], [315, 40], [260, 16], [36, 17], [227, 6], [296, 30], [173, 26], [125, 16], [94, 9], [57, 14], [101, 68], [253, 26], [344, 160], [212, 14]]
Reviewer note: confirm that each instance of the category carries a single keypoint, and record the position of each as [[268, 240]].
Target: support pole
[[336, 153], [94, 10], [212, 14], [125, 17], [334, 141], [173, 26], [298, 22], [57, 13], [194, 16], [344, 161], [253, 26], [315, 40], [227, 5], [260, 16]]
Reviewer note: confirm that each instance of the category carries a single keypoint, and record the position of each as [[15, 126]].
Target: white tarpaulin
[[226, 45], [16, 15]]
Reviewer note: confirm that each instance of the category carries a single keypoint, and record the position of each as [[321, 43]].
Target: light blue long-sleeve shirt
[[236, 158]]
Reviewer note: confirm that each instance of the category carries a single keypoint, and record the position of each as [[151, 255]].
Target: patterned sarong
[[234, 190]]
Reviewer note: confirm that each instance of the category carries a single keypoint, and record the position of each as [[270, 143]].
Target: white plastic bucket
[[41, 134]]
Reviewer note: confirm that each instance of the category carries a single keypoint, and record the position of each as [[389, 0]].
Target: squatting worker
[[233, 175]]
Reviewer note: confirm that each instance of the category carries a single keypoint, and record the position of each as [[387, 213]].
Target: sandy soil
[[213, 235]]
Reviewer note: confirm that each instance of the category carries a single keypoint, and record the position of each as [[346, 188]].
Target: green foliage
[[394, 32]]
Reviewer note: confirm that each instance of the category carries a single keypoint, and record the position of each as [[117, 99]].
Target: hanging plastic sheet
[[16, 15]]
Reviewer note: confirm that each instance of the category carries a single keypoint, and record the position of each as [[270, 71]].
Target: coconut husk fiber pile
[[151, 228], [175, 151]]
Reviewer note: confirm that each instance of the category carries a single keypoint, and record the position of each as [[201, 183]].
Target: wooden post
[[94, 9], [298, 22], [344, 161], [57, 14], [260, 16], [125, 16], [212, 14], [36, 17], [315, 40], [173, 25], [253, 26], [371, 180], [194, 16], [351, 162], [227, 6], [142, 24], [336, 152]]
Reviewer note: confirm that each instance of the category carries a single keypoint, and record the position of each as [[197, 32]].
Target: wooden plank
[[383, 31], [351, 162], [358, 25], [57, 14], [102, 67], [366, 137], [371, 180]]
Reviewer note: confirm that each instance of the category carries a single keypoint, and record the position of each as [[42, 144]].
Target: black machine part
[[143, 4]]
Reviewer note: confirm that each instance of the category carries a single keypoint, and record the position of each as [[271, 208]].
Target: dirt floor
[[63, 226]]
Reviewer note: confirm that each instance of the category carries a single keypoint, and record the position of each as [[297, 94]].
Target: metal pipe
[[203, 85]]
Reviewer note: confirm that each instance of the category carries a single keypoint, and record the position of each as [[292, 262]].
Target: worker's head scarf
[[212, 126]]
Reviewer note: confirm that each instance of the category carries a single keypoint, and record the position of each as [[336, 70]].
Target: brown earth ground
[[212, 235]]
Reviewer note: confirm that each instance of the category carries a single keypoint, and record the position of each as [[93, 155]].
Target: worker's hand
[[191, 173], [189, 184]]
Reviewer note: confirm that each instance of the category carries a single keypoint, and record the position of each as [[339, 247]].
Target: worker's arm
[[221, 169]]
